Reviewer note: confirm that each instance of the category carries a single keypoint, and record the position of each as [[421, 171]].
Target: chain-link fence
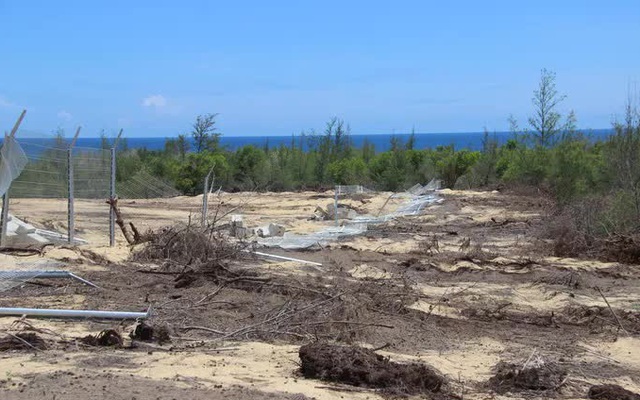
[[62, 186], [61, 194]]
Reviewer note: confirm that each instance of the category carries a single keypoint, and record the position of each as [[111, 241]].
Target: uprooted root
[[543, 376], [611, 392], [106, 338], [22, 341], [363, 367]]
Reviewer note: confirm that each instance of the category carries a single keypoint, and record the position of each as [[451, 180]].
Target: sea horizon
[[381, 142]]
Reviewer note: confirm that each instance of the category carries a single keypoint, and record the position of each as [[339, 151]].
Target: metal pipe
[[286, 258], [57, 313], [26, 275]]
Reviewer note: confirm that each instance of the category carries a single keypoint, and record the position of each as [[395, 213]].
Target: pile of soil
[[363, 367], [611, 392], [106, 338], [147, 333], [513, 378], [22, 341]]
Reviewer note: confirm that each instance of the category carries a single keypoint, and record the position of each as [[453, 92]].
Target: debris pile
[[359, 366], [22, 341], [533, 376], [611, 392]]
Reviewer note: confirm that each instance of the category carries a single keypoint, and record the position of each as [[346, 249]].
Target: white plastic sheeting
[[12, 161], [416, 200]]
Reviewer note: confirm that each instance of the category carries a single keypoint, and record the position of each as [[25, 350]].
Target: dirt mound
[[22, 341], [513, 378], [363, 367], [106, 338], [611, 392], [147, 333]]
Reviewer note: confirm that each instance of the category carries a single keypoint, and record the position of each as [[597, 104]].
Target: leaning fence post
[[71, 225], [205, 198], [4, 216], [4, 219], [205, 201]]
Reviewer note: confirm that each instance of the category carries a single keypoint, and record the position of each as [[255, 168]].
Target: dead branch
[[202, 328], [611, 309], [345, 323], [134, 237]]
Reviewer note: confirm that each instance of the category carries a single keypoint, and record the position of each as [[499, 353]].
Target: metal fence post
[[205, 200], [4, 219], [335, 204], [112, 196], [71, 218], [70, 212]]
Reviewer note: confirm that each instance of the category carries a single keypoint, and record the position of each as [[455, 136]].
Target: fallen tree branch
[[132, 238], [611, 309], [202, 328], [344, 322]]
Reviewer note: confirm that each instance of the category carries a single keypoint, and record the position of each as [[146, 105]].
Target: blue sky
[[278, 67]]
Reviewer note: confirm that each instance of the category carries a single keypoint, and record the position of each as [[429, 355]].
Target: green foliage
[[573, 170], [250, 168], [546, 120], [204, 133], [451, 165], [351, 171], [190, 175]]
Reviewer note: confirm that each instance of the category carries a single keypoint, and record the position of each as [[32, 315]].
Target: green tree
[[204, 133], [546, 119]]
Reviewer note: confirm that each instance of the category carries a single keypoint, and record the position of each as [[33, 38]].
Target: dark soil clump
[[611, 392], [22, 341], [513, 378], [106, 338], [363, 367], [147, 333]]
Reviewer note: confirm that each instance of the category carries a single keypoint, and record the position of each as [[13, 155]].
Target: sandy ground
[[485, 289]]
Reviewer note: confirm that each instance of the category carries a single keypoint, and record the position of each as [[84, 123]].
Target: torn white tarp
[[12, 162], [22, 234]]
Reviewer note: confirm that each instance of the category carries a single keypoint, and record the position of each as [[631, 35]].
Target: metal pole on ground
[[71, 225], [4, 216], [112, 192]]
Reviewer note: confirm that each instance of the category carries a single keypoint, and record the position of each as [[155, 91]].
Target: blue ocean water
[[381, 142], [471, 140]]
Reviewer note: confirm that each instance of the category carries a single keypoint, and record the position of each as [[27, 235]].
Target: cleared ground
[[464, 286]]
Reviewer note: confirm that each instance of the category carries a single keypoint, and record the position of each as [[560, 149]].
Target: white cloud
[[156, 101], [65, 115], [4, 103]]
